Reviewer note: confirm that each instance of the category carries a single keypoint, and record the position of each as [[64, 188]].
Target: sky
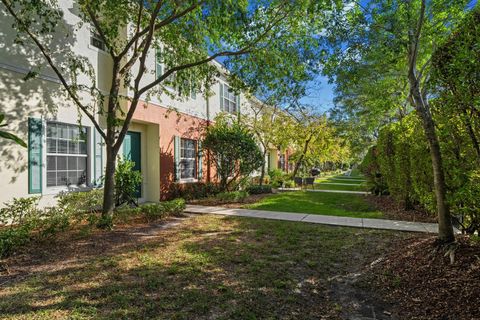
[[320, 94]]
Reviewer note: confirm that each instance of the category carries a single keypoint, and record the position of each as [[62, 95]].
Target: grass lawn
[[208, 267], [334, 204], [320, 186]]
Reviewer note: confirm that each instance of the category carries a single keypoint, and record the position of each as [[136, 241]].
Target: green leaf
[[9, 136]]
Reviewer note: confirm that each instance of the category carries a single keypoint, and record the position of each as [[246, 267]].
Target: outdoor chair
[[310, 182], [298, 182]]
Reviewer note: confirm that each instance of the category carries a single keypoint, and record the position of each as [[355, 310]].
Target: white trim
[[98, 50], [189, 180]]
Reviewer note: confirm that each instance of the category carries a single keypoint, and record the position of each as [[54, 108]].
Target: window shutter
[[200, 160], [176, 156], [98, 158], [35, 135], [221, 96]]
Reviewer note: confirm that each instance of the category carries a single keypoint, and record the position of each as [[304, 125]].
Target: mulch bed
[[395, 211], [420, 281], [215, 202]]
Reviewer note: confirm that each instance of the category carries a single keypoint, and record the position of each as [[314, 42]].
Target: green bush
[[13, 238], [259, 189], [289, 184], [21, 211], [277, 178], [81, 205], [232, 196], [127, 182], [191, 191], [55, 220]]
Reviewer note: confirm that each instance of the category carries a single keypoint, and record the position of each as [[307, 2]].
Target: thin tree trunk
[[471, 133], [445, 227], [109, 185], [262, 174], [299, 161]]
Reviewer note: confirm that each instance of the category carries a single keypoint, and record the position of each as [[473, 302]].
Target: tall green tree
[[387, 46], [190, 34], [233, 149]]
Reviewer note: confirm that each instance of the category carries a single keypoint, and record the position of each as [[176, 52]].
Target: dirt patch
[[419, 277], [73, 248], [215, 202], [394, 211]]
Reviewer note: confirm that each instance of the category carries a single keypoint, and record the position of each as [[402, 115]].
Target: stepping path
[[320, 219]]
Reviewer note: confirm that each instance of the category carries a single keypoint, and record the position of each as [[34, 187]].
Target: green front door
[[132, 152]]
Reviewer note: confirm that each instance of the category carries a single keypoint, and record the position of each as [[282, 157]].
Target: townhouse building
[[65, 151]]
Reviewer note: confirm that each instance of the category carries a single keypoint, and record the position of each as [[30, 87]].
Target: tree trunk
[[299, 161], [262, 174], [445, 227], [471, 133], [109, 185]]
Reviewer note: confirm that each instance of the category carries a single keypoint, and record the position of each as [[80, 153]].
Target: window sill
[[98, 50], [56, 190], [184, 181]]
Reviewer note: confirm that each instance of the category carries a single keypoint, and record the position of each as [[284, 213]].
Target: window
[[96, 41], [229, 99], [188, 152], [169, 81], [66, 155]]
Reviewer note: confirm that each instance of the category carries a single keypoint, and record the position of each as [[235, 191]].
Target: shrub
[[191, 191], [232, 196], [127, 182], [153, 211], [55, 220], [259, 189], [174, 207], [277, 177], [289, 184], [20, 211], [81, 205], [466, 204], [234, 151], [13, 238]]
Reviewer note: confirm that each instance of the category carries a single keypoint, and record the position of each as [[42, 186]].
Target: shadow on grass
[[208, 267]]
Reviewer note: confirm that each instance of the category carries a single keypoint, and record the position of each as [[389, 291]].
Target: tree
[[233, 149], [315, 139], [392, 42], [272, 128], [189, 34], [8, 135]]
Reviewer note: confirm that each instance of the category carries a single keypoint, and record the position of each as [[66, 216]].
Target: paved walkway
[[314, 218]]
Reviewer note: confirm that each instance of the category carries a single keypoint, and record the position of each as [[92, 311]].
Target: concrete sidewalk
[[315, 218]]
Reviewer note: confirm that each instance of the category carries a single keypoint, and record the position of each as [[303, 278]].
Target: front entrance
[[132, 152]]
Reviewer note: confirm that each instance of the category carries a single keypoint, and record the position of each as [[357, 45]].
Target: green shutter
[[221, 96], [35, 135], [176, 157], [97, 158], [200, 162]]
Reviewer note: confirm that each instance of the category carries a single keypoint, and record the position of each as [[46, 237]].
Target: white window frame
[[194, 159], [86, 155], [227, 92]]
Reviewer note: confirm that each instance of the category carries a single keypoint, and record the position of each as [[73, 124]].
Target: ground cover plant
[[24, 222], [335, 204], [206, 267]]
